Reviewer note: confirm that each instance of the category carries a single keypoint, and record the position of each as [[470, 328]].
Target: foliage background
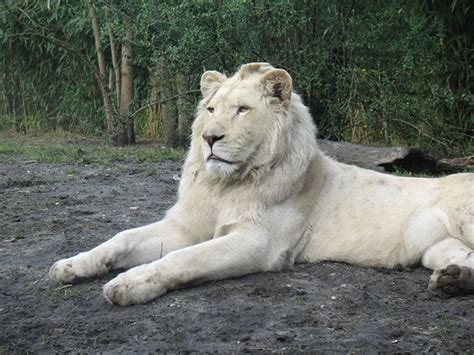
[[388, 72]]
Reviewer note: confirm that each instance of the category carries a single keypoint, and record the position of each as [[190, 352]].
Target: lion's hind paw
[[454, 280]]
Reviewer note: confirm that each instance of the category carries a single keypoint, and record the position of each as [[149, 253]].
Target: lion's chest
[[234, 212]]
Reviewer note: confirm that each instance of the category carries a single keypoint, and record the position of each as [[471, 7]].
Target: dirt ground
[[52, 211]]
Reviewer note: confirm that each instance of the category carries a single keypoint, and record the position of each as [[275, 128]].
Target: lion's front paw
[[133, 287], [63, 271], [452, 281], [77, 268]]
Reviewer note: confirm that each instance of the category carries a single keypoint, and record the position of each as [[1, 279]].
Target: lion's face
[[234, 126], [239, 117]]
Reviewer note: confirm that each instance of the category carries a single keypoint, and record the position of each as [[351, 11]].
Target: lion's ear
[[278, 83], [211, 81]]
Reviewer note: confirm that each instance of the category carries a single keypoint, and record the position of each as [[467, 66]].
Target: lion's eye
[[243, 109], [210, 109]]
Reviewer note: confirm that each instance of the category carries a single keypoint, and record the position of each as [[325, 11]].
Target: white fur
[[280, 201]]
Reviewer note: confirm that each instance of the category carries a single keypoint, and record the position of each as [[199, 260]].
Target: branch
[[35, 24], [53, 40], [67, 48], [420, 131], [162, 101]]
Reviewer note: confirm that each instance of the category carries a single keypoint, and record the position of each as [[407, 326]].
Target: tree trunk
[[184, 112], [126, 134], [154, 124], [169, 114], [23, 100], [111, 80], [113, 53], [102, 78], [168, 108], [6, 106]]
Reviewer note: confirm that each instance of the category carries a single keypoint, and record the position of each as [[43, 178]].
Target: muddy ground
[[52, 211]]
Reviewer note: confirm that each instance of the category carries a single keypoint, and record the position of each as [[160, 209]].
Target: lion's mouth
[[215, 157]]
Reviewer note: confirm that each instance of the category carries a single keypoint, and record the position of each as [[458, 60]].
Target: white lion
[[258, 195]]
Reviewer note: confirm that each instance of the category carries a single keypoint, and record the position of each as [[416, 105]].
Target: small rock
[[283, 337], [245, 338]]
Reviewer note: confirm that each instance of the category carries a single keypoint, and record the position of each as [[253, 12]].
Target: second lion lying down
[[258, 195]]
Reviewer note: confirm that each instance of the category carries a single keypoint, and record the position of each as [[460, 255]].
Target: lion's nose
[[212, 139]]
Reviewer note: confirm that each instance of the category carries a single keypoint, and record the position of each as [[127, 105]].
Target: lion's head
[[245, 122]]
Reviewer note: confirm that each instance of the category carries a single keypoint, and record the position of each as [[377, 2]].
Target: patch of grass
[[49, 203], [436, 332], [59, 150], [402, 172], [445, 321], [353, 324], [119, 168], [54, 293], [150, 171], [31, 287], [17, 237], [62, 292], [71, 171]]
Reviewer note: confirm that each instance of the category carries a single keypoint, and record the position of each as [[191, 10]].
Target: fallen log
[[391, 159], [461, 163]]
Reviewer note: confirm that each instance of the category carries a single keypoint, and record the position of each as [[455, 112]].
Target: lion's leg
[[128, 248], [424, 229], [228, 256], [453, 265]]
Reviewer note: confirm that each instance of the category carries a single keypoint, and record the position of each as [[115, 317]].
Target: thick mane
[[289, 152], [289, 145], [276, 168]]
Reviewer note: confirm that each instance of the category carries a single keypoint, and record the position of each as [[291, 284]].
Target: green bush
[[375, 72]]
